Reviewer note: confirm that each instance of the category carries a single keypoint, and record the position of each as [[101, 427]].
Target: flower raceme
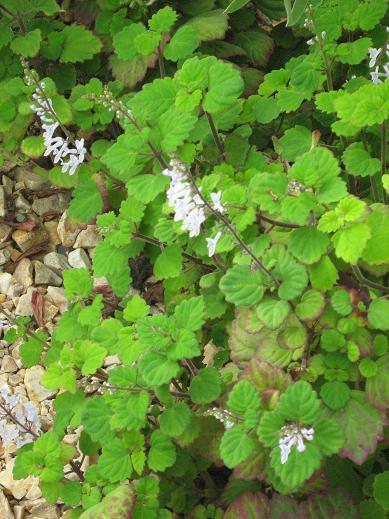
[[189, 208], [380, 71], [293, 435], [68, 157]]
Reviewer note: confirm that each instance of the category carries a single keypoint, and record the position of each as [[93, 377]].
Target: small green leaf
[[28, 44], [350, 242], [224, 87], [332, 340], [79, 44], [311, 305], [175, 127], [242, 286], [380, 489], [169, 262], [308, 244], [189, 313], [157, 370], [182, 44], [77, 282], [341, 302], [243, 397], [236, 446], [359, 162], [162, 453], [299, 403], [205, 386], [273, 312], [136, 308], [335, 394], [115, 462], [86, 202], [174, 420], [146, 42], [378, 314], [368, 368]]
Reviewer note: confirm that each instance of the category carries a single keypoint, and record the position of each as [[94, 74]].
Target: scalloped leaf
[[242, 397], [299, 403], [236, 446], [335, 394], [242, 286], [308, 244], [311, 305], [273, 312], [248, 506], [377, 387]]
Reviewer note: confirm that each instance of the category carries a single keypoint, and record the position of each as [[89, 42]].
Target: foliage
[[272, 318]]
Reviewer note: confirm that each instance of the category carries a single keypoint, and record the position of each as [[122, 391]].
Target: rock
[[3, 203], [8, 364], [22, 204], [51, 229], [44, 511], [56, 261], [19, 511], [14, 379], [79, 259], [5, 231], [5, 509], [27, 239], [4, 256], [24, 306], [31, 180], [8, 184], [15, 289], [49, 311], [5, 282], [57, 296], [54, 204], [45, 276], [88, 238], [67, 230], [24, 273], [17, 487], [35, 391]]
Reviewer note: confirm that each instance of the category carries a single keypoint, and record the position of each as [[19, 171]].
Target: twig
[[366, 282], [215, 134], [161, 63]]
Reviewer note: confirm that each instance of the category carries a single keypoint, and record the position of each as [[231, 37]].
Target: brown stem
[[277, 223], [215, 134], [383, 156], [366, 282], [161, 63]]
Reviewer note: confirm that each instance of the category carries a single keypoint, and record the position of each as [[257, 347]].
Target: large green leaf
[[242, 286], [224, 87], [162, 453], [299, 403], [243, 397], [205, 386], [308, 244], [378, 314], [351, 241], [79, 44], [273, 312], [115, 463], [236, 446]]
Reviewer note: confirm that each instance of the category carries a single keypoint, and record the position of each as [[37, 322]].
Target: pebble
[[5, 282], [5, 231], [44, 511], [22, 204], [67, 230], [14, 379], [17, 487], [36, 392], [3, 206], [8, 364], [88, 238], [79, 259], [49, 311], [51, 229], [24, 306], [5, 510], [8, 184], [4, 256], [54, 204], [15, 289], [45, 276], [56, 261], [24, 273], [57, 296], [26, 239], [31, 180]]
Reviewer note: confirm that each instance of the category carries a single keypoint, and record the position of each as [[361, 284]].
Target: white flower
[[323, 35], [373, 54], [311, 41], [212, 242], [293, 435], [216, 200]]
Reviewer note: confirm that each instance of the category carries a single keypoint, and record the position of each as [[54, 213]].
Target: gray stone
[[24, 306], [54, 204], [36, 392], [5, 282], [51, 229], [22, 204], [8, 184], [57, 297], [44, 511], [4, 256], [15, 289], [3, 203], [5, 231], [56, 261], [49, 311], [24, 273], [79, 259], [45, 276], [88, 238], [30, 180], [27, 239], [17, 487], [8, 364], [67, 230]]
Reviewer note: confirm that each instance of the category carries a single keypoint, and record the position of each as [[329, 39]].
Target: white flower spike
[[293, 435], [212, 243]]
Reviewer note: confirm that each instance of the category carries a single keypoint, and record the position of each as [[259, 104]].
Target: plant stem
[[327, 64], [383, 155], [215, 134], [161, 63], [366, 282], [278, 223], [373, 183]]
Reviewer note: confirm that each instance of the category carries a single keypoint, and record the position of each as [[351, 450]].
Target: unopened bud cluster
[[107, 100], [19, 421], [222, 415]]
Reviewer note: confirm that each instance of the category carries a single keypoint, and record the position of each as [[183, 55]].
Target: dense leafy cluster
[[253, 368]]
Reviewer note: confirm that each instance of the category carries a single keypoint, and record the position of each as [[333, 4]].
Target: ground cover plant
[[234, 157]]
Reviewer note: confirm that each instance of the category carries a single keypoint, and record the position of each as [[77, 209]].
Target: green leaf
[[71, 493], [116, 504], [210, 25], [123, 41], [79, 44], [146, 187], [294, 280], [163, 20], [335, 394], [359, 162], [362, 427], [353, 52], [136, 308], [57, 377], [156, 369], [308, 244], [224, 87], [89, 356], [131, 413], [205, 386], [242, 286], [266, 109], [175, 127], [235, 5], [162, 453], [115, 462], [378, 314], [316, 167], [30, 352], [28, 44], [154, 99], [295, 142], [323, 274], [273, 312], [311, 305], [368, 368], [380, 489], [299, 403], [77, 282], [350, 242], [270, 425], [377, 248], [189, 314], [257, 44], [341, 302], [185, 345], [182, 44], [332, 340], [86, 202], [169, 262], [96, 416], [236, 446], [174, 420], [33, 146], [296, 12], [243, 396], [146, 42]]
